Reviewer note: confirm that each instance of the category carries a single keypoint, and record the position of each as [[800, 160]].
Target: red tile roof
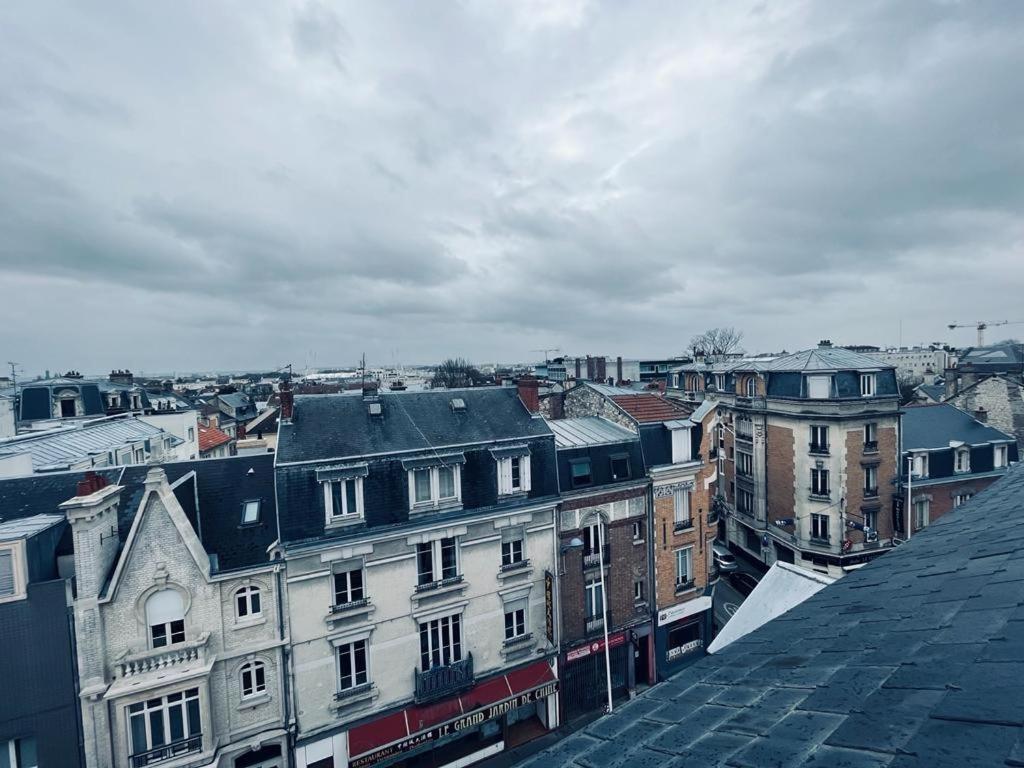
[[648, 407], [211, 437]]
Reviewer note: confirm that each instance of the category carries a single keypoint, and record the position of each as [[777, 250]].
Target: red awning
[[402, 725]]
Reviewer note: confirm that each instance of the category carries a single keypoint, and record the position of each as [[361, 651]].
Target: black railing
[[595, 559], [167, 751], [339, 607], [683, 586], [438, 682], [440, 583], [517, 640], [871, 446], [818, 448], [682, 525], [514, 566], [594, 625], [870, 493], [355, 690]]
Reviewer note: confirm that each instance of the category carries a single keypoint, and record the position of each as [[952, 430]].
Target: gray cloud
[[308, 181]]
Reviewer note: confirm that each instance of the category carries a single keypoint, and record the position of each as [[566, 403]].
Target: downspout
[[287, 671], [652, 659]]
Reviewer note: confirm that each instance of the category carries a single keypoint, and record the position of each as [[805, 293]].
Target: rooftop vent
[[458, 405], [375, 409]]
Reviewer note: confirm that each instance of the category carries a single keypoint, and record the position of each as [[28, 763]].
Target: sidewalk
[[516, 755]]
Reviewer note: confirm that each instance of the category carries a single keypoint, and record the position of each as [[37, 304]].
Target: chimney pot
[[981, 414], [287, 398]]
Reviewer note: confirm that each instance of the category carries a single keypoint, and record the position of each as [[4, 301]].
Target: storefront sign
[[595, 647], [674, 653], [457, 726], [549, 606], [681, 611]]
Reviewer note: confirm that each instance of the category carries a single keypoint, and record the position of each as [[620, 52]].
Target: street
[[726, 599]]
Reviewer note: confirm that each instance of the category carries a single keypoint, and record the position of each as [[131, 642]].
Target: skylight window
[[375, 409], [458, 404], [250, 512]]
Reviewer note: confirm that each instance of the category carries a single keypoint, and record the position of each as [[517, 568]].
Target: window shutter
[[524, 470], [6, 573]]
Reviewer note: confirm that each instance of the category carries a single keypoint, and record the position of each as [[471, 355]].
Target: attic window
[[376, 410], [458, 404], [250, 512]]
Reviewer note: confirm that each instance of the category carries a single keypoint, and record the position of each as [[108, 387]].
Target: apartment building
[[808, 456], [419, 534]]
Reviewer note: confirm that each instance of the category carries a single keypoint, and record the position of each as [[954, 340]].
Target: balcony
[[819, 494], [594, 625], [432, 585], [350, 606], [438, 682], [684, 586], [593, 560], [516, 566], [754, 403], [871, 446], [191, 653], [682, 525], [167, 751], [818, 449]]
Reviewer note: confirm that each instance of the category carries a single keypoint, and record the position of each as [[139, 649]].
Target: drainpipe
[[652, 662], [287, 671], [604, 610]]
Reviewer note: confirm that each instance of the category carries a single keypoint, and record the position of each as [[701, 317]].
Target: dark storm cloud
[[252, 181]]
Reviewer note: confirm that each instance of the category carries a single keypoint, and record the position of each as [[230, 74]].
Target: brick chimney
[[287, 398], [529, 394], [825, 343], [618, 369], [577, 369], [125, 377], [92, 514], [981, 414]]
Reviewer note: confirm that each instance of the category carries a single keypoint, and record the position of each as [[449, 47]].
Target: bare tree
[[455, 372], [716, 341]]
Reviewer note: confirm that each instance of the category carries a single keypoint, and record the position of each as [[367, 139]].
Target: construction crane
[[546, 351], [981, 325]]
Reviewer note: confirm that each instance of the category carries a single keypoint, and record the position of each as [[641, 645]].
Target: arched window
[[248, 603], [752, 386], [254, 679], [165, 617]]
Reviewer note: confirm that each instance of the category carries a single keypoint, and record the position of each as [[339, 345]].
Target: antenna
[[14, 375]]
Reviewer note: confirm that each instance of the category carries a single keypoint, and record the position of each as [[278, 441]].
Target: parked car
[[742, 582], [725, 561]]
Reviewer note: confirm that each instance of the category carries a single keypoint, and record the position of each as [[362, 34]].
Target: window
[[254, 679], [250, 512], [165, 726], [440, 642], [871, 434], [819, 387], [511, 547], [437, 561], [67, 406], [247, 602], [963, 460], [433, 486], [867, 384], [515, 624], [191, 434], [1000, 456], [684, 568], [819, 527], [745, 463], [921, 513], [348, 587], [19, 753], [871, 525], [961, 498], [140, 456], [593, 599], [752, 386], [343, 499], [720, 382], [165, 616], [638, 592], [352, 668], [920, 465], [592, 538], [638, 531], [745, 501], [819, 481], [580, 469], [620, 467], [681, 508], [513, 475], [10, 574], [819, 439], [870, 481]]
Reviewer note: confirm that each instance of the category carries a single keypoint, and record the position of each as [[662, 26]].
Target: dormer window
[[513, 465], [920, 466], [343, 492], [752, 386], [963, 460], [435, 482], [867, 385], [1000, 456]]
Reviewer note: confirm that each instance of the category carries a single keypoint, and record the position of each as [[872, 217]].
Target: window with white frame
[[870, 433], [159, 722], [165, 617], [684, 567], [819, 481], [921, 513], [353, 669], [819, 438], [681, 508], [819, 387], [343, 499], [513, 475], [592, 537], [512, 544], [250, 512], [515, 622], [254, 679], [440, 642], [819, 527], [593, 600], [348, 585], [871, 524], [638, 531], [248, 602], [963, 460], [867, 384], [920, 466], [12, 585], [638, 591], [1000, 454], [870, 481], [751, 386], [19, 753], [191, 434], [434, 486], [961, 498], [437, 561]]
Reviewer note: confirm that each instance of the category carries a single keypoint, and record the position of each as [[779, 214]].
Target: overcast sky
[[228, 185]]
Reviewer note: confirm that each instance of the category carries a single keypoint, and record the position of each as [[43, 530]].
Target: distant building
[[654, 370], [914, 363], [990, 379], [215, 443], [602, 370], [953, 455], [68, 397], [7, 420]]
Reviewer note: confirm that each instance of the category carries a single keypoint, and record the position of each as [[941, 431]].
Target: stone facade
[[585, 401], [1002, 398], [123, 665]]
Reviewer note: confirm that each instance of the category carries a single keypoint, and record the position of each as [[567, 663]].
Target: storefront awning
[[389, 735]]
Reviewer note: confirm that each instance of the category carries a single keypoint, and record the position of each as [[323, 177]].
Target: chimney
[[92, 514], [577, 369], [602, 374], [981, 414], [287, 398], [825, 343], [618, 369], [529, 394], [124, 377]]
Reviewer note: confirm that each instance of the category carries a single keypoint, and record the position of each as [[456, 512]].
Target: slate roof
[[24, 527], [934, 391], [339, 426], [933, 426], [826, 359], [42, 494], [999, 357], [914, 660], [588, 430], [211, 437], [57, 450]]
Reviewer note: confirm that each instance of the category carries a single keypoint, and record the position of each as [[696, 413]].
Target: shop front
[[584, 675], [682, 633], [496, 714]]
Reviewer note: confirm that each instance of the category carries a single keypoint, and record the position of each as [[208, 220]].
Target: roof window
[[458, 405], [375, 410]]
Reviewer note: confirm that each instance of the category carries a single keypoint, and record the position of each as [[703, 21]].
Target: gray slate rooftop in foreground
[[916, 659]]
